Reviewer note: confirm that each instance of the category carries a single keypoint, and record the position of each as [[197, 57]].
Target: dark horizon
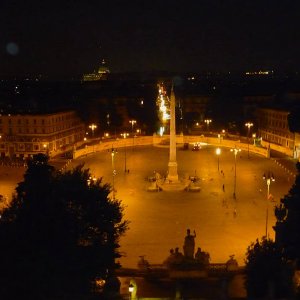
[[64, 39]]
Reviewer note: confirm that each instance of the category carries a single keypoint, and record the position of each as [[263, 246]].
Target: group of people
[[189, 255]]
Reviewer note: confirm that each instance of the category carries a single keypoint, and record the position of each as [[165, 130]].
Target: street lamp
[[93, 127], [125, 135], [132, 122], [235, 152], [207, 121], [114, 172], [269, 178], [254, 137], [132, 289], [218, 152], [248, 125], [113, 151], [45, 147]]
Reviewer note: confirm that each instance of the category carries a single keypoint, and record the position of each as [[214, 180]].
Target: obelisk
[[172, 166]]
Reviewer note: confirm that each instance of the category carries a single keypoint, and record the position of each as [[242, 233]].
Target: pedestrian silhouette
[[223, 188]]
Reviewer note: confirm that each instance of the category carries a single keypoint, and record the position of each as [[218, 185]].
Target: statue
[[187, 264], [174, 259], [232, 264], [170, 259], [202, 257], [189, 245], [143, 264], [178, 257]]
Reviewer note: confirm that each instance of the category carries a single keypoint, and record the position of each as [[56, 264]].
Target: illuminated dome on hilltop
[[103, 69], [101, 74]]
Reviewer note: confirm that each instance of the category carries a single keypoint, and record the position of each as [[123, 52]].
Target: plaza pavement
[[158, 220]]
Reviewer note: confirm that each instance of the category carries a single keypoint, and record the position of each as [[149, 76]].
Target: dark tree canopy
[[268, 273], [270, 265], [60, 232], [288, 222]]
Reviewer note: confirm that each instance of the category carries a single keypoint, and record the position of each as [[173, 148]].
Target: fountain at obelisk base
[[172, 182]]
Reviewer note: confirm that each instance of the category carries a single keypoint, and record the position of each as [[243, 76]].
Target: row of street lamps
[[207, 121], [247, 124], [132, 122]]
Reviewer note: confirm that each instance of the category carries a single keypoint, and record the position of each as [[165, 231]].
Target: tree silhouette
[[270, 265], [60, 232], [288, 222], [267, 272]]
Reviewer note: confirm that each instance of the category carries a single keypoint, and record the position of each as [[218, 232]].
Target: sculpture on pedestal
[[189, 245]]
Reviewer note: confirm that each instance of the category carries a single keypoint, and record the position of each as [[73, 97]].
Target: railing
[[160, 270], [164, 141]]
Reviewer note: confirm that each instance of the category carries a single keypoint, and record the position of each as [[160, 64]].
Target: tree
[[267, 272], [288, 222], [60, 232], [270, 265]]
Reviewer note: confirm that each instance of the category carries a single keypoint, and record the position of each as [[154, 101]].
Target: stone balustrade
[[164, 141]]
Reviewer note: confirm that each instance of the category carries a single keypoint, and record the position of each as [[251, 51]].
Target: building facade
[[25, 135], [273, 127]]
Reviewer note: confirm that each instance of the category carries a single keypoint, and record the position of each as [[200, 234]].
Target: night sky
[[65, 38]]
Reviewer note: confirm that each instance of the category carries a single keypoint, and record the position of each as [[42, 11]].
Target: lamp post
[[132, 122], [254, 137], [132, 289], [46, 149], [248, 125], [235, 152], [218, 152], [207, 121], [114, 172], [93, 127], [125, 135], [268, 178]]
